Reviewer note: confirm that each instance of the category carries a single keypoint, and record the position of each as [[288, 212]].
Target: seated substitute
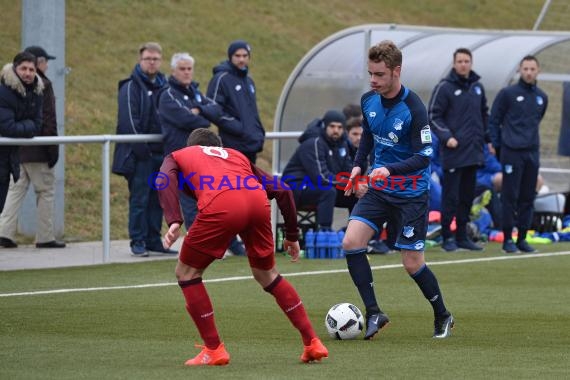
[[320, 165], [232, 199]]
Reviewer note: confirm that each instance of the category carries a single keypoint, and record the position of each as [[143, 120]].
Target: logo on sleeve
[[372, 114], [478, 90], [539, 100], [425, 135]]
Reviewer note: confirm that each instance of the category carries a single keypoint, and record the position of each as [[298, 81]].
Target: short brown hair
[[387, 52], [204, 137], [152, 46], [353, 122]]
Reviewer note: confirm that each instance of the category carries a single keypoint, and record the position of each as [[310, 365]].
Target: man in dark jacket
[[234, 90], [513, 125], [20, 113], [313, 171], [182, 109], [37, 168], [458, 114], [137, 114]]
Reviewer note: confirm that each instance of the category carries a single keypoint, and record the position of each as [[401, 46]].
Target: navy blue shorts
[[409, 215]]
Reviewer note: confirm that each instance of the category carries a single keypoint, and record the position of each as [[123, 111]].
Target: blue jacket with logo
[[319, 159], [516, 115], [458, 108], [398, 131], [234, 90]]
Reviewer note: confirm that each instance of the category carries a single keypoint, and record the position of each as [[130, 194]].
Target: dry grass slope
[[102, 41]]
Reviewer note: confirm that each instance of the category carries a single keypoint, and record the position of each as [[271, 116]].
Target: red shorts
[[244, 212]]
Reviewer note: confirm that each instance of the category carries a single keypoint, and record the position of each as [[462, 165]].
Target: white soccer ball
[[344, 321]]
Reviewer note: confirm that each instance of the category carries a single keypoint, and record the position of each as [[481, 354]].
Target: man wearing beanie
[[36, 168], [20, 113], [233, 88], [312, 171]]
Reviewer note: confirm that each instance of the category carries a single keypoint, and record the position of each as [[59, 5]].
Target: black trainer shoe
[[449, 245], [525, 247], [468, 245], [509, 246], [7, 243], [374, 323], [443, 325]]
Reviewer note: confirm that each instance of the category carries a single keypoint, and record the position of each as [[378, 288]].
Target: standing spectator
[[183, 109], [223, 213], [37, 168], [20, 115], [313, 170], [458, 112], [233, 89], [515, 118], [396, 127], [137, 114]]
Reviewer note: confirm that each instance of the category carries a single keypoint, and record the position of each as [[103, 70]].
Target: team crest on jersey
[[457, 92], [508, 169], [425, 135], [539, 100], [478, 90], [520, 98], [393, 137], [398, 124], [198, 98], [408, 231], [372, 114], [342, 151], [252, 89], [238, 87]]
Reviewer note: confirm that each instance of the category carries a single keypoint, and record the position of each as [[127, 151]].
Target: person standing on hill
[[36, 168], [137, 114], [515, 118], [233, 89], [458, 113], [21, 102]]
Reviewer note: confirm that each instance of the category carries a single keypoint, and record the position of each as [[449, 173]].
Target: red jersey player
[[232, 199]]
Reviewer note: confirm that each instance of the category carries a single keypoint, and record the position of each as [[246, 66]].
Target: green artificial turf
[[512, 319]]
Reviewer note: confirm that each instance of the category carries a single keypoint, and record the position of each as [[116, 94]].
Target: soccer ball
[[344, 321]]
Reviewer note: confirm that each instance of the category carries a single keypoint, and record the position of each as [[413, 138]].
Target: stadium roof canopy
[[334, 72]]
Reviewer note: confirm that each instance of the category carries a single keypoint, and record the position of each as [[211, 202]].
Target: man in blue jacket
[[314, 171], [20, 113], [458, 113], [137, 114], [513, 125], [233, 89]]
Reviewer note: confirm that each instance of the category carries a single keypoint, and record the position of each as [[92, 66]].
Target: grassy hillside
[[102, 41]]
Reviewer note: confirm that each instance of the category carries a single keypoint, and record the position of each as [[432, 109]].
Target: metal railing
[[106, 141]]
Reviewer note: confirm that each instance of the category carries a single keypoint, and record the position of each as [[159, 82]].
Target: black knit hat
[[332, 116], [236, 45]]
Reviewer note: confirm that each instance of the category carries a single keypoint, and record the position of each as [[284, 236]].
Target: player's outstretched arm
[[292, 248]]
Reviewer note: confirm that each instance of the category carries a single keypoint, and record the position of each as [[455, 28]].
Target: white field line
[[311, 273]]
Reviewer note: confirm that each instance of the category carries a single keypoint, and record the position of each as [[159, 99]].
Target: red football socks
[[288, 299], [200, 309]]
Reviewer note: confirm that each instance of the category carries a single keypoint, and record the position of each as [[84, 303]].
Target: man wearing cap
[[313, 171], [234, 90], [20, 113], [37, 168]]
